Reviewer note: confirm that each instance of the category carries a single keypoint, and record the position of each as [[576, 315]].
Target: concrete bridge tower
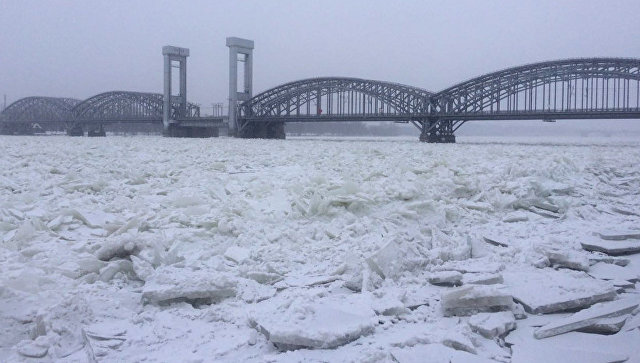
[[171, 55], [243, 47]]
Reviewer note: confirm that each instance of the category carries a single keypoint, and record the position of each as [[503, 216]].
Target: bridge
[[589, 88], [92, 114], [580, 88]]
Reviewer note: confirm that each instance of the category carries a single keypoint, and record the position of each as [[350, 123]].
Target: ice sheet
[[179, 242]]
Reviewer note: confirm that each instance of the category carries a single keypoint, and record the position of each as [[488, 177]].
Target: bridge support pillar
[[75, 129], [244, 48], [263, 130], [97, 131], [174, 106], [437, 131], [192, 131]]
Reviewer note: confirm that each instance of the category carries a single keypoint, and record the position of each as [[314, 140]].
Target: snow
[[588, 317], [556, 291], [471, 299], [159, 249], [492, 325]]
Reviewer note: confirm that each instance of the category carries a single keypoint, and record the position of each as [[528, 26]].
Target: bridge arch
[[124, 106], [120, 105], [40, 109], [572, 85], [328, 96]]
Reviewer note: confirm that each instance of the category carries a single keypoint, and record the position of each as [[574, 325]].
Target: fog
[[79, 48]]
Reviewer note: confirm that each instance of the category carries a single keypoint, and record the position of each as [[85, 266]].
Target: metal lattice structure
[[567, 86], [583, 88], [597, 88], [338, 96], [39, 110], [332, 99], [121, 106]]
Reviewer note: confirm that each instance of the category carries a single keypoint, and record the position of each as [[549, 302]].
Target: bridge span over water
[[579, 88], [585, 88]]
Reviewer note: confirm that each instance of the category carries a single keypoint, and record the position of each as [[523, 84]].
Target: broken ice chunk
[[458, 341], [237, 254], [588, 317], [546, 206], [117, 248], [618, 236], [305, 281], [264, 277], [251, 291], [142, 268], [606, 326], [567, 259], [446, 278], [491, 325], [482, 279], [108, 272], [495, 241], [169, 284], [435, 353], [393, 258], [319, 327], [612, 248], [623, 211], [600, 257], [31, 349], [472, 299], [548, 291], [606, 271], [517, 216]]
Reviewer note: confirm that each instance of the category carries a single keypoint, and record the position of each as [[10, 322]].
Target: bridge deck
[[468, 116]]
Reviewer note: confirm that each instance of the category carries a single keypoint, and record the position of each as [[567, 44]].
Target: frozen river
[[196, 250]]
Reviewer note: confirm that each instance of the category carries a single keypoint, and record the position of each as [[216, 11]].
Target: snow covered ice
[[158, 249]]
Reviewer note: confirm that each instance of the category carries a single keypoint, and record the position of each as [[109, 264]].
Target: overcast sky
[[81, 48]]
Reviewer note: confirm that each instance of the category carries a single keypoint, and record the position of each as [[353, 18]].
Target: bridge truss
[[589, 88], [329, 99], [105, 108]]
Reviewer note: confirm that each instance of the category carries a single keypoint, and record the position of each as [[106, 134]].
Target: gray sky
[[81, 48]]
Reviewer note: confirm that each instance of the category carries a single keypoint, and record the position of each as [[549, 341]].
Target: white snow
[[556, 291], [588, 317], [492, 325], [471, 299], [159, 249]]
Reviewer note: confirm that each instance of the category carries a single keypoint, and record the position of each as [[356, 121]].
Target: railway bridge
[[579, 88]]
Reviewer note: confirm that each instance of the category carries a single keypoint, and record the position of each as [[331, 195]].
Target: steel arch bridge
[[123, 106], [329, 99], [21, 116], [72, 114], [583, 88]]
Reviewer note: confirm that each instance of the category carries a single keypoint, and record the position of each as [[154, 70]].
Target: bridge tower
[[174, 54], [244, 47]]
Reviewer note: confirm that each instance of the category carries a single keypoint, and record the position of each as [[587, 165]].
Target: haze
[[81, 48]]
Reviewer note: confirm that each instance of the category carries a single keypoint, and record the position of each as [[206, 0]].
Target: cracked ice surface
[[157, 249]]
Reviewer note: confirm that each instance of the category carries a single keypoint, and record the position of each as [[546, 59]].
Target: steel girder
[[546, 86], [122, 105], [290, 99], [105, 107], [39, 110]]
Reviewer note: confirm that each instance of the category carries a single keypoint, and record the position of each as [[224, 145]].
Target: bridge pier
[[191, 131], [16, 128], [262, 130], [97, 132], [75, 129], [174, 106], [437, 131], [244, 48]]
